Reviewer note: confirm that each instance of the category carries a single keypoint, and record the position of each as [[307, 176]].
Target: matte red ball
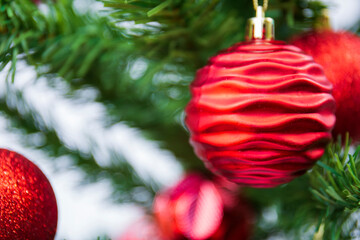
[[28, 209], [261, 113], [339, 54]]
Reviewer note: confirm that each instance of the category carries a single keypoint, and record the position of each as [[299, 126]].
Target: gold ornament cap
[[322, 22], [260, 27]]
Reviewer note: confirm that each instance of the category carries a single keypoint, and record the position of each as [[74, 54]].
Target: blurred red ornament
[[237, 222], [144, 229], [261, 113], [27, 202], [238, 219], [198, 208], [192, 209], [339, 54]]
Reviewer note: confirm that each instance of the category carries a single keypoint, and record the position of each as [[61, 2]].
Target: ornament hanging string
[[265, 4]]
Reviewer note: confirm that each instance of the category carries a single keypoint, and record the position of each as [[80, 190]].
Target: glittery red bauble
[[339, 54], [28, 208], [261, 113], [198, 208]]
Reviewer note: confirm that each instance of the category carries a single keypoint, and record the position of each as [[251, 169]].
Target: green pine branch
[[172, 39], [318, 205], [288, 210], [335, 184], [91, 51], [126, 182]]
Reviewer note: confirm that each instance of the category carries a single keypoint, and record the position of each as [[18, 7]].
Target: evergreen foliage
[[170, 40]]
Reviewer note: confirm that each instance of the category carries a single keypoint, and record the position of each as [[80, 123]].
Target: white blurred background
[[86, 211]]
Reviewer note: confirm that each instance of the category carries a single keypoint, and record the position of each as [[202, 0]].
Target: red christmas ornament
[[339, 54], [192, 209], [198, 208], [238, 218], [27, 202], [261, 111], [144, 229], [237, 222]]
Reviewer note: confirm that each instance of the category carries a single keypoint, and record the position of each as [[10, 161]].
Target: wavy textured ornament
[[261, 113], [28, 208]]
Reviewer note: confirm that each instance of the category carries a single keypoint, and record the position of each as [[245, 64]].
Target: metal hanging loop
[[265, 4], [260, 27]]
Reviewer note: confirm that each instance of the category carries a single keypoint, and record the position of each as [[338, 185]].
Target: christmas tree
[[127, 65]]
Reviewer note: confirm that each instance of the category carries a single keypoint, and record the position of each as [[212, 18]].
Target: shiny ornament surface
[[238, 219], [193, 209], [261, 113], [237, 222], [202, 208], [28, 209], [339, 54]]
